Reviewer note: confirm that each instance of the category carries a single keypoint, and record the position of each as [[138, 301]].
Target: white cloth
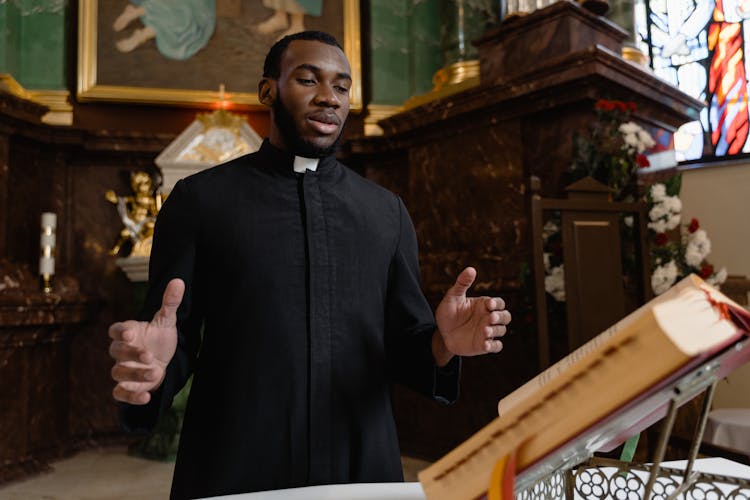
[[413, 491], [729, 427], [377, 491]]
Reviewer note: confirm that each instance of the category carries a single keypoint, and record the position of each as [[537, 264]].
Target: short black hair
[[272, 65]]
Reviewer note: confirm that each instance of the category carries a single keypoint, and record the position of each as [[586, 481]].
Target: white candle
[[49, 219], [47, 265], [47, 244], [47, 240]]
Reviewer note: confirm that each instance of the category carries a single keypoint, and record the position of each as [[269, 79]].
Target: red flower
[[642, 160], [707, 270], [661, 239], [604, 105], [632, 106], [693, 227], [621, 106]]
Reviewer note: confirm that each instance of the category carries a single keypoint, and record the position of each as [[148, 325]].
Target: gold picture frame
[[96, 76]]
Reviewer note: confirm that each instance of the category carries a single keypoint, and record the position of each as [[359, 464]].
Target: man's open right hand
[[142, 350]]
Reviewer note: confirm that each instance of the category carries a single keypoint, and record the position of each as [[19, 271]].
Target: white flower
[[693, 257], [659, 226], [629, 128], [664, 277], [628, 220], [673, 204], [673, 221], [631, 141], [699, 237], [665, 212], [717, 278], [646, 139], [554, 283], [545, 259], [698, 248], [636, 137], [658, 211], [658, 192]]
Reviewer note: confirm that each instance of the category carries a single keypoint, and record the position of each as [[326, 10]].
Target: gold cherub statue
[[138, 213]]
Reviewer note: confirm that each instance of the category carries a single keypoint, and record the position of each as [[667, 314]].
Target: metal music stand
[[572, 469]]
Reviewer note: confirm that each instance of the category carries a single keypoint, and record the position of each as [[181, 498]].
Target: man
[[306, 288]]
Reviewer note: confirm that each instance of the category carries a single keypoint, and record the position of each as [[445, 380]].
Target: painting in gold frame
[[115, 64]]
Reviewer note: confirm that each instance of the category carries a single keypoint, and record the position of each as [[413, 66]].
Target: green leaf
[[673, 185]]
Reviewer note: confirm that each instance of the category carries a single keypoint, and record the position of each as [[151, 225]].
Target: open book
[[678, 329]]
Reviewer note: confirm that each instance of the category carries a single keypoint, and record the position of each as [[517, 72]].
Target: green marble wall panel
[[32, 42], [424, 44], [42, 47], [405, 48], [9, 37], [389, 46], [461, 22]]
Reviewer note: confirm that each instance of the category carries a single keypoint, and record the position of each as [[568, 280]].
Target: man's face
[[311, 98]]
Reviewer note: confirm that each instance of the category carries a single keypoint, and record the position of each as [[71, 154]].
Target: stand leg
[[688, 478], [701, 427], [570, 481], [666, 431]]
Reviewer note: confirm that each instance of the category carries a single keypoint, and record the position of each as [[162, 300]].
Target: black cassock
[[307, 291]]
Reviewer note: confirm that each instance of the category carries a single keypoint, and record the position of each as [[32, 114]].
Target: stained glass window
[[700, 46]]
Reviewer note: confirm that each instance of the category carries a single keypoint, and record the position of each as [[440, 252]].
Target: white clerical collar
[[301, 164]]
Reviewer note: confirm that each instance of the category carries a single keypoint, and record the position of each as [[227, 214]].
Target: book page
[[693, 323]]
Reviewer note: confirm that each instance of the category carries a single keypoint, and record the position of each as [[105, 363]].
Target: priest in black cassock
[[288, 286]]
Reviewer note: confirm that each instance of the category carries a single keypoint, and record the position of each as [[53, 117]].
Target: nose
[[326, 96]]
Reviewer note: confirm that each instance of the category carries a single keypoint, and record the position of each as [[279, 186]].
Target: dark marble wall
[[36, 331], [54, 360]]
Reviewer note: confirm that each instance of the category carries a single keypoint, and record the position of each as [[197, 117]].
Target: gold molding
[[377, 112], [449, 80], [353, 50], [455, 74], [57, 101], [10, 85], [88, 88], [635, 55]]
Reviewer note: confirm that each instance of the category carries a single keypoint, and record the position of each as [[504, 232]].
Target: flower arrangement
[[676, 249], [554, 274], [612, 152], [613, 149]]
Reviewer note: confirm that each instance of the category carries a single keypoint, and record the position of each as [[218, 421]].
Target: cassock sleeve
[[172, 256], [410, 324]]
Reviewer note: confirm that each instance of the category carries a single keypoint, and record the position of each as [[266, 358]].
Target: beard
[[292, 137]]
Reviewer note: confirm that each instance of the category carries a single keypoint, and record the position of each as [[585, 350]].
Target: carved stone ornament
[[211, 139]]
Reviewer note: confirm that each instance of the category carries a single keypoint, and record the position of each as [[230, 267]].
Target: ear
[[267, 91]]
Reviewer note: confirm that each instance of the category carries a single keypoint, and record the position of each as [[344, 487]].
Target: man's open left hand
[[471, 325]]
